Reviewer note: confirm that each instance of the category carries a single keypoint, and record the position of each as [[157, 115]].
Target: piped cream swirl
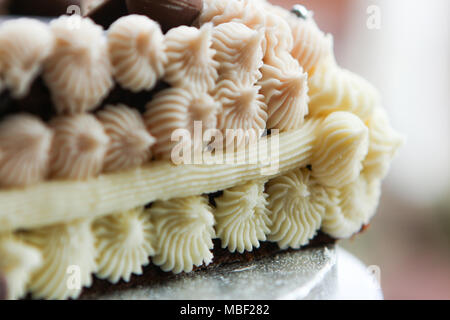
[[242, 107], [242, 219], [67, 249], [129, 142], [79, 147], [137, 52], [297, 204], [25, 143], [183, 233], [384, 143], [239, 52], [334, 89], [341, 146], [123, 244], [190, 58], [18, 261], [24, 46], [178, 108], [78, 71]]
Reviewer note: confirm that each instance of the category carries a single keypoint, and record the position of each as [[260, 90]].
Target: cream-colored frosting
[[78, 72], [286, 94], [137, 52], [334, 89], [239, 52], [242, 108], [68, 253], [357, 204], [183, 229], [297, 204], [278, 38], [129, 142], [24, 45], [190, 58], [25, 143], [251, 13], [79, 147], [384, 143], [242, 219], [311, 45], [178, 108], [246, 12], [17, 261], [123, 244], [120, 191], [340, 148]]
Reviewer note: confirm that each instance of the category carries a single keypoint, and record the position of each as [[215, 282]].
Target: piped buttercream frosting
[[25, 143], [178, 108], [239, 52], [18, 261], [129, 141], [242, 218], [137, 52], [79, 147], [68, 253], [191, 63], [297, 204], [78, 71], [24, 46], [341, 146], [183, 231], [123, 244]]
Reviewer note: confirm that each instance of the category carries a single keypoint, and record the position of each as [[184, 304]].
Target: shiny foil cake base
[[325, 272]]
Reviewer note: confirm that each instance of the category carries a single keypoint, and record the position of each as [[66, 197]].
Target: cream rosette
[[341, 145], [68, 253], [384, 143], [79, 147], [243, 115], [242, 219], [190, 57], [18, 261], [239, 52], [311, 45], [334, 89], [297, 205], [246, 12], [24, 45], [184, 229], [129, 142], [285, 89], [123, 244], [277, 35], [177, 108], [137, 52], [78, 71], [357, 204], [25, 143]]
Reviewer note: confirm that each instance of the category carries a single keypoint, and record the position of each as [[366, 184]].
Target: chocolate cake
[[149, 138]]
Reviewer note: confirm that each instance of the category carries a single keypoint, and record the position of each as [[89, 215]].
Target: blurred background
[[407, 57]]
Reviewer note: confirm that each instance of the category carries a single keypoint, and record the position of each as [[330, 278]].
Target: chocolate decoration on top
[[46, 8], [169, 13], [108, 12]]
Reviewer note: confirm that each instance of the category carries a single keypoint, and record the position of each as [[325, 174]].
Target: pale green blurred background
[[408, 60]]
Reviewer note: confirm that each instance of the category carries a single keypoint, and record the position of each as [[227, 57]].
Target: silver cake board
[[327, 272]]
